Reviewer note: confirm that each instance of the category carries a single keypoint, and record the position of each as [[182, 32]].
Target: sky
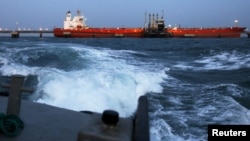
[[37, 14]]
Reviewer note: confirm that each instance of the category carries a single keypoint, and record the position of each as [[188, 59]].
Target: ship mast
[[162, 17], [149, 21], [145, 20], [153, 21], [78, 13]]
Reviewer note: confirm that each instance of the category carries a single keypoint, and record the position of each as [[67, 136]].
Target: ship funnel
[[68, 16]]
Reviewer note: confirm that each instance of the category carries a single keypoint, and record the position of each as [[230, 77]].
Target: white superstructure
[[77, 22]]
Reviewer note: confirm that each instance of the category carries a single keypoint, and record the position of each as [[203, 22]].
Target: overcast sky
[[127, 13]]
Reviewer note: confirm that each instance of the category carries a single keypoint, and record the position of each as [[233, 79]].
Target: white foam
[[226, 61], [160, 130], [111, 81], [221, 61], [184, 121], [97, 90], [10, 68]]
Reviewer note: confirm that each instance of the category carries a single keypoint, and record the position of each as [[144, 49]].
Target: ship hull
[[98, 32], [228, 32]]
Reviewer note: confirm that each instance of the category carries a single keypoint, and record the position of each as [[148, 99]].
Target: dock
[[17, 33]]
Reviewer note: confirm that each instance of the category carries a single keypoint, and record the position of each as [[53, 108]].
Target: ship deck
[[47, 123]]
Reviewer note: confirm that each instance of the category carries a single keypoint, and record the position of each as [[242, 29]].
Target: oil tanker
[[76, 27], [223, 32]]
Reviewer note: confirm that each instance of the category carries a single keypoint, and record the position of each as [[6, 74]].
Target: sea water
[[190, 83]]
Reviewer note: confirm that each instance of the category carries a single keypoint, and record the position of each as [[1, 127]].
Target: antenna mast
[[145, 20]]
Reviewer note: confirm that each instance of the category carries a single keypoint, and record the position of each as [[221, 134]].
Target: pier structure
[[17, 33]]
